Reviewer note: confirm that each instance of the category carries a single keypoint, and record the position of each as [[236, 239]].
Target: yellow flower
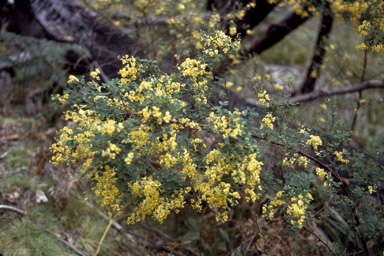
[[361, 46], [72, 79], [371, 190], [314, 141], [278, 87], [232, 30], [339, 156], [167, 117], [64, 98], [129, 158], [320, 172], [95, 74], [267, 120], [146, 113], [229, 84]]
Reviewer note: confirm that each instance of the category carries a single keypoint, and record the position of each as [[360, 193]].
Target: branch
[[158, 20], [275, 33], [369, 84], [335, 175], [254, 16], [72, 247], [7, 207]]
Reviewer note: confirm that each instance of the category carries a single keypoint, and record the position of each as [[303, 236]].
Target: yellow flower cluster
[[278, 87], [364, 28], [221, 43], [72, 79], [298, 208], [320, 172], [106, 190], [263, 97], [361, 46], [295, 159], [194, 68], [371, 190], [302, 7], [228, 126], [353, 8], [214, 20], [268, 209], [267, 120], [130, 71], [339, 156], [314, 141], [353, 11], [63, 99], [242, 170], [95, 74]]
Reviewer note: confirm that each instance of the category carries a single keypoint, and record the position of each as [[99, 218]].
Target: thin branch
[[324, 243], [103, 237], [129, 235], [369, 84], [158, 20], [79, 252], [7, 207], [335, 175]]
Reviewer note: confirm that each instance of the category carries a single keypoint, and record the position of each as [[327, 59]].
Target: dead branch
[[73, 248], [11, 208], [275, 33], [369, 84]]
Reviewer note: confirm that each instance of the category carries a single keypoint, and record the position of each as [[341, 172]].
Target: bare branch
[[7, 207], [72, 247], [369, 84], [275, 33]]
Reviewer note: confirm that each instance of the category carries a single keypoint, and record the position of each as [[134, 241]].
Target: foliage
[[159, 144], [153, 143]]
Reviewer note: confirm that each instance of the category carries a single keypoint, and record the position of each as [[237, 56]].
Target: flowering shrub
[[156, 142]]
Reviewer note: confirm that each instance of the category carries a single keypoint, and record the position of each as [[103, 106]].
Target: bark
[[275, 33], [67, 21], [252, 18], [314, 69]]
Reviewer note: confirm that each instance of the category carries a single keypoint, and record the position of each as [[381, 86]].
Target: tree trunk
[[319, 51], [67, 21], [275, 33], [252, 17]]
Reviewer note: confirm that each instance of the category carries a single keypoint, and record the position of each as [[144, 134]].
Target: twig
[[7, 207], [115, 225], [369, 84], [79, 252], [334, 174], [324, 243], [103, 237], [39, 226]]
